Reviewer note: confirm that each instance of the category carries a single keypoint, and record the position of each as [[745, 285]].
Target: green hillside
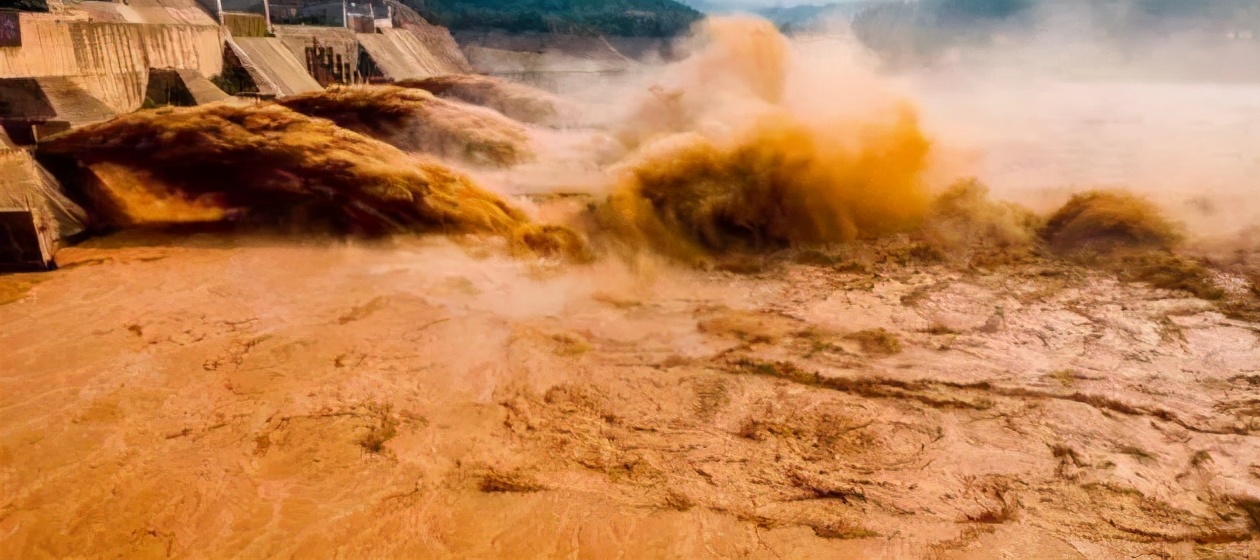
[[25, 5], [632, 18]]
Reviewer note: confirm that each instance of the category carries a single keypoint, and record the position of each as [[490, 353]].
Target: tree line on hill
[[25, 5], [629, 18]]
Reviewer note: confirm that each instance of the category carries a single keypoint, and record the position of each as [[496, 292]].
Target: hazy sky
[[767, 3]]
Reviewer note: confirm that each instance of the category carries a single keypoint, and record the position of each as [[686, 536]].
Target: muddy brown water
[[1191, 146], [210, 397]]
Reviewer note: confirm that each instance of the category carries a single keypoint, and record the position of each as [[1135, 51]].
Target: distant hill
[[705, 6], [627, 18], [25, 5]]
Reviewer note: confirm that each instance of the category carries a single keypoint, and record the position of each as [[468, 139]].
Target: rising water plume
[[1106, 219], [416, 121], [271, 166], [781, 183], [1127, 234], [727, 161], [964, 221], [739, 66], [746, 146], [744, 56]]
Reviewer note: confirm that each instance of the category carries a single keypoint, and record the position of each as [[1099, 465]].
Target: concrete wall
[[25, 185], [184, 47], [202, 89], [110, 60], [272, 66], [182, 88], [400, 54], [245, 25], [437, 39], [337, 40], [166, 12], [106, 59]]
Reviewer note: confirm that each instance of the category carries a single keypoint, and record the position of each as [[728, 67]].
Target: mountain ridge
[[629, 18]]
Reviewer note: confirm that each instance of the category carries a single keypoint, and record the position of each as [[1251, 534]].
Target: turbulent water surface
[[1182, 142], [838, 365]]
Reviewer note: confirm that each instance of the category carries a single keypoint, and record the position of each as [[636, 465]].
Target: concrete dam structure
[[83, 62], [35, 216], [273, 71], [334, 55], [88, 65], [90, 60]]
